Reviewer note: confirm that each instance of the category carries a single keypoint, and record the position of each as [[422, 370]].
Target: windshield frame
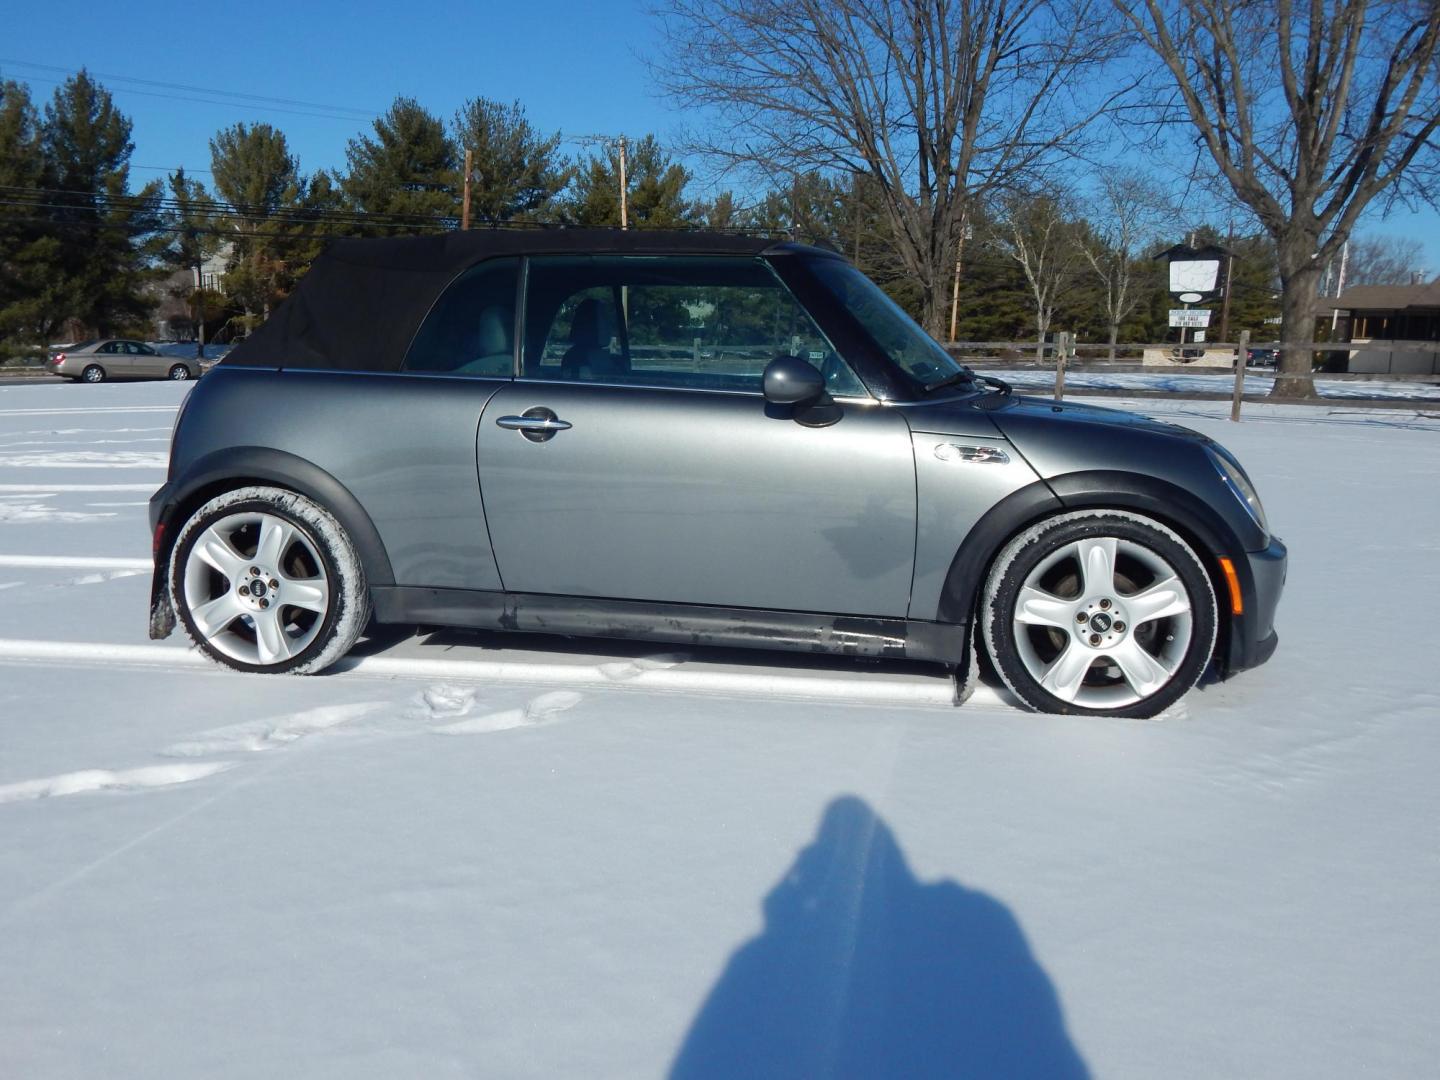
[[888, 379]]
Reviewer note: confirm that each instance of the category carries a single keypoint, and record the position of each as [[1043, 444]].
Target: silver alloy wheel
[[1107, 623], [94, 373], [179, 373], [256, 589]]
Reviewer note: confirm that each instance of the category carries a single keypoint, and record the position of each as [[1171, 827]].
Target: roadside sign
[[1193, 275], [1190, 317]]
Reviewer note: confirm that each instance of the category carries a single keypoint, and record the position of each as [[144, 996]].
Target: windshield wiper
[[999, 384], [966, 375], [963, 375]]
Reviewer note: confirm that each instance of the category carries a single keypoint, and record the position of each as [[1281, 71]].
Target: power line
[[229, 232], [211, 101], [80, 200], [171, 168], [350, 112]]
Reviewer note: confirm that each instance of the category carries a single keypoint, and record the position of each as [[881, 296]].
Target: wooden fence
[[1063, 351]]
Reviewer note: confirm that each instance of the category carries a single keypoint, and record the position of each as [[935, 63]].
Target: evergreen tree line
[[82, 250]]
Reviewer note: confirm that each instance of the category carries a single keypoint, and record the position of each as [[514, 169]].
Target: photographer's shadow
[[863, 971]]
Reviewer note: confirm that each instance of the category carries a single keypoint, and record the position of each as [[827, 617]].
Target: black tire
[[93, 374], [321, 552], [179, 373], [1047, 556]]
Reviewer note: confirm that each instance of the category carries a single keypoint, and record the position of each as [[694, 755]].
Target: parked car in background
[[120, 358], [1262, 357], [692, 438]]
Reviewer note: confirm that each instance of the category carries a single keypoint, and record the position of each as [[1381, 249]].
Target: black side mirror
[[789, 380], [798, 390]]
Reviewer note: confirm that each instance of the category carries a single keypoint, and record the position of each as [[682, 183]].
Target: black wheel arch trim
[[236, 466], [1160, 499], [1016, 511]]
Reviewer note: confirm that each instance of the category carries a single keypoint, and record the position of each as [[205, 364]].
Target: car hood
[[985, 414]]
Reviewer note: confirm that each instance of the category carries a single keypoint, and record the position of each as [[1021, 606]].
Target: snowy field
[[488, 856]]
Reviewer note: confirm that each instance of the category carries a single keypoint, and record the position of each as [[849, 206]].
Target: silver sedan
[[119, 358]]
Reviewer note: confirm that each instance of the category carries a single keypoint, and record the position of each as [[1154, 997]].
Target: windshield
[[913, 350]]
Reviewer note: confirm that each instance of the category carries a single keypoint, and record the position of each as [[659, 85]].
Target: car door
[[118, 364], [657, 471], [148, 362]]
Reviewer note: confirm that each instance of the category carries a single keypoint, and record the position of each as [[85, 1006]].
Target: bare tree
[[939, 102], [1038, 233], [1310, 111], [1127, 212], [1384, 260]]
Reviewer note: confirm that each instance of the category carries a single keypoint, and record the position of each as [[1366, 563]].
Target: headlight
[[1239, 483]]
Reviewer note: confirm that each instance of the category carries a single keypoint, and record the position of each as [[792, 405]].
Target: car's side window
[[471, 328], [705, 323], [109, 347]]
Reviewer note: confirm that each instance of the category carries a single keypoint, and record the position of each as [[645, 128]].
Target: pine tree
[[655, 182], [408, 169], [27, 250], [722, 213], [260, 179], [516, 172], [105, 237]]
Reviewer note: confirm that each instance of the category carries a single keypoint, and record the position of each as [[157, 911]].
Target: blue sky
[[572, 64], [576, 66]]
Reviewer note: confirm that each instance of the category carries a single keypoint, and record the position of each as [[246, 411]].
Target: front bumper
[[1252, 633]]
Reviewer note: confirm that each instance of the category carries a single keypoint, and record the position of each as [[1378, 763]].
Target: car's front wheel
[[266, 580], [1104, 613], [179, 373]]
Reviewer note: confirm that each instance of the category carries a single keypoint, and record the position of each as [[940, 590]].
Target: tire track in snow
[[860, 688], [92, 410], [87, 459], [73, 562], [51, 489], [88, 780], [254, 736], [535, 712]]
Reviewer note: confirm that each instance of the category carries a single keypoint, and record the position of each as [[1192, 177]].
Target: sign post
[[1062, 341], [1242, 354]]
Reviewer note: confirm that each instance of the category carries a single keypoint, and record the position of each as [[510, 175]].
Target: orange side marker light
[[1237, 605]]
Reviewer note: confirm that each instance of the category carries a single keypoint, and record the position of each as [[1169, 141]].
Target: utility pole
[[1229, 281], [955, 290], [619, 143], [855, 210], [624, 197], [955, 286], [465, 200], [199, 295]]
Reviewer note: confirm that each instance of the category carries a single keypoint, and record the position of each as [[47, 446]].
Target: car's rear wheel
[[179, 373], [1102, 613], [266, 580], [94, 373]]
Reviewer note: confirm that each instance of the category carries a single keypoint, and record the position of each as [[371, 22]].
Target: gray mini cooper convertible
[[695, 438]]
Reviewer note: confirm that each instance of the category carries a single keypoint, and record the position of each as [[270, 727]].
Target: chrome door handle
[[532, 423]]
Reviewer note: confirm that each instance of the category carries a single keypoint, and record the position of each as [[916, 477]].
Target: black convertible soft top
[[361, 302]]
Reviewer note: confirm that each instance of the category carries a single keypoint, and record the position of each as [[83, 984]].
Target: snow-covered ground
[[1190, 381], [506, 857]]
